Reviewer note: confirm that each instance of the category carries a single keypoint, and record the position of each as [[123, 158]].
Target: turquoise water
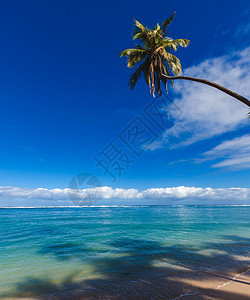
[[46, 250]]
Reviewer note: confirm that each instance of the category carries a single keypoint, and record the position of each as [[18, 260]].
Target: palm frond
[[174, 44], [166, 71], [139, 25], [167, 22], [146, 72], [135, 76], [154, 53], [134, 55], [126, 52], [172, 61], [179, 43], [140, 32], [139, 47], [140, 35], [157, 27]]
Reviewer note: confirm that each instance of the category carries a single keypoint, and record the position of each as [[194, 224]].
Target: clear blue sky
[[64, 93]]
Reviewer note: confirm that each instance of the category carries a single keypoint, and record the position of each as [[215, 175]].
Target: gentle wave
[[100, 206]]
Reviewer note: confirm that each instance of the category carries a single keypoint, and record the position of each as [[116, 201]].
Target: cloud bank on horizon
[[12, 196]]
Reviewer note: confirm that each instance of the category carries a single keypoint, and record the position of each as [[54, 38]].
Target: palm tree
[[154, 54]]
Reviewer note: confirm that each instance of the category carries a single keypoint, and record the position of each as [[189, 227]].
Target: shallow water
[[46, 250]]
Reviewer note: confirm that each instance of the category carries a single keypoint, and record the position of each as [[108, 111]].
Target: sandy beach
[[236, 287]]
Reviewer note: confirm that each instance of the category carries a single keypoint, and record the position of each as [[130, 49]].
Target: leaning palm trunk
[[213, 84]]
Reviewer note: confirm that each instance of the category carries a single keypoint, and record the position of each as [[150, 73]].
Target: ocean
[[121, 252]]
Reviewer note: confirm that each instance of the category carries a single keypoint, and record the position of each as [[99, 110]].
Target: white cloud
[[208, 112], [171, 193], [235, 153], [182, 192]]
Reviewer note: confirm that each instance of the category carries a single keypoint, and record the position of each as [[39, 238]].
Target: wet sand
[[235, 288]]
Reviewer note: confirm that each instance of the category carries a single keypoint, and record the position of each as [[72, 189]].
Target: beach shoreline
[[212, 286], [235, 287]]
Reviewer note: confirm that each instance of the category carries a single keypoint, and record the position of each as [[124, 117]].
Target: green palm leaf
[[175, 44], [134, 55], [167, 22]]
